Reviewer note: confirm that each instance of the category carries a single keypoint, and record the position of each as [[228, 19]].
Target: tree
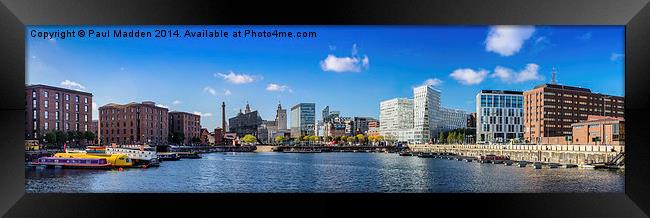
[[50, 138], [248, 138], [361, 138], [89, 136], [337, 138], [314, 138], [279, 139], [61, 137], [196, 140], [441, 137], [305, 138], [351, 139]]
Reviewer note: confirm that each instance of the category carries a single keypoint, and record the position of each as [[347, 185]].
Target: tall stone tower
[[281, 117], [223, 115]]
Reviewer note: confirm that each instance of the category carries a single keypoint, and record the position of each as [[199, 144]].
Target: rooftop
[[58, 89]]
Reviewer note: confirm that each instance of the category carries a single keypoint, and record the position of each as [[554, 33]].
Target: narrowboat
[[168, 156]]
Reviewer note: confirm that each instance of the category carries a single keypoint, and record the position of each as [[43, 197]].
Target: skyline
[[375, 63]]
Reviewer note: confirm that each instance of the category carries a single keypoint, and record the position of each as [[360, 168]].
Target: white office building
[[499, 116], [451, 119], [395, 115], [426, 112]]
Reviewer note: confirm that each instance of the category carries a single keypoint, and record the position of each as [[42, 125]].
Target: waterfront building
[[320, 128], [94, 128], [499, 115], [373, 128], [395, 115], [599, 130], [281, 118], [471, 120], [360, 124], [50, 108], [426, 112], [245, 123], [451, 119], [334, 128], [187, 124], [326, 113], [218, 136], [418, 120], [303, 119], [550, 109], [266, 131], [134, 123], [204, 136]]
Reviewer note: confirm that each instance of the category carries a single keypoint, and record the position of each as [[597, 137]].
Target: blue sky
[[349, 68]]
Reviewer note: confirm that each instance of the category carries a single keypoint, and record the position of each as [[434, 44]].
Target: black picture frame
[[16, 14]]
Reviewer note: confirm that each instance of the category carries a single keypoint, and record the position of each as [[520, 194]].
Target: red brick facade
[[133, 123], [549, 110], [186, 123], [49, 108]]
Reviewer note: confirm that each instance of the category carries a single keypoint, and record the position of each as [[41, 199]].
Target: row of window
[[46, 126], [56, 96]]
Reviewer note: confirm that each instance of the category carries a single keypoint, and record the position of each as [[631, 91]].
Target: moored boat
[[168, 156], [425, 155]]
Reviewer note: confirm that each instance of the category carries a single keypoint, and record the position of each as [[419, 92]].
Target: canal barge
[[168, 156], [85, 161], [303, 150], [189, 155]]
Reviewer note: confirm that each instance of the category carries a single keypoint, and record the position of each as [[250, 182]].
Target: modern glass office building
[[303, 119], [500, 116]]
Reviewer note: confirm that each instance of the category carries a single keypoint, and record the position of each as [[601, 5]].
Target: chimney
[[223, 116]]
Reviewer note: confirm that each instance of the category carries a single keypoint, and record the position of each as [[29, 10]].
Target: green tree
[[314, 138], [279, 139], [337, 139], [50, 138], [61, 137], [89, 136], [441, 138], [248, 138], [196, 140], [344, 138], [305, 138], [361, 138], [351, 139]]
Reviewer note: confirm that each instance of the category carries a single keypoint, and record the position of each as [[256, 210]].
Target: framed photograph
[[503, 108]]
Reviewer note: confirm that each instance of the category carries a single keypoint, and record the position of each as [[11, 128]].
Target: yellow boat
[[116, 160]]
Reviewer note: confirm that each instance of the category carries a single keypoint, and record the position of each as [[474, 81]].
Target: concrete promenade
[[562, 154]]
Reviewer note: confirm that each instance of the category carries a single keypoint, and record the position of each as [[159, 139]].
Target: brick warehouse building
[[49, 108], [185, 123], [133, 123], [550, 109]]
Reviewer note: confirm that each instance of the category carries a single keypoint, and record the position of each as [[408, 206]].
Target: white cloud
[[432, 82], [227, 92], [585, 36], [616, 56], [234, 78], [72, 85], [332, 48], [278, 88], [210, 90], [177, 102], [505, 74], [162, 105], [507, 40], [202, 114], [469, 76], [353, 63], [530, 72]]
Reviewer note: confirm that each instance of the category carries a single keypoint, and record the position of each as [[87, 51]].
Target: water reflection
[[323, 172]]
